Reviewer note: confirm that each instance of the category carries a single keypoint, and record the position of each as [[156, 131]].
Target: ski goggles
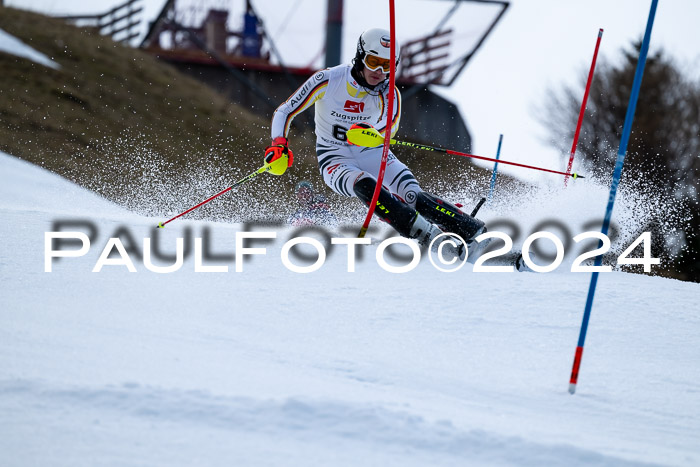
[[373, 63]]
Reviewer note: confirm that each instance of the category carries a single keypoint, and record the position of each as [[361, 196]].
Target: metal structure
[[120, 23], [334, 29], [174, 30], [243, 62], [194, 41], [426, 60], [435, 58]]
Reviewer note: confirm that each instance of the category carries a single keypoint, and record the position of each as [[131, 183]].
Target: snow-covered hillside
[[10, 44], [272, 367]]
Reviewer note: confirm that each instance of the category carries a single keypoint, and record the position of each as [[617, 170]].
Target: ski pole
[[240, 182], [370, 137]]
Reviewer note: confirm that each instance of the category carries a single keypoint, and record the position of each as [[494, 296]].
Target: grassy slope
[[132, 128]]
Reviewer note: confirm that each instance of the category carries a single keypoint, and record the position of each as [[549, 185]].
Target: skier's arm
[[312, 90], [396, 117]]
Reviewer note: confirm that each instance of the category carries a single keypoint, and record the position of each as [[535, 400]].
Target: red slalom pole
[[463, 154], [387, 132], [583, 108], [370, 137]]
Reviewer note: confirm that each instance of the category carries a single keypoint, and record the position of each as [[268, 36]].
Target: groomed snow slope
[[272, 367]]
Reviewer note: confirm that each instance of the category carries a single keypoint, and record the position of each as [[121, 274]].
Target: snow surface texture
[[11, 45], [271, 367]]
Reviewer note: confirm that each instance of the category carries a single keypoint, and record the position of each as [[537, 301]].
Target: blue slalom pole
[[626, 130], [495, 168]]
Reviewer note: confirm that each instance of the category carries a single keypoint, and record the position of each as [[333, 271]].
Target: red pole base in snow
[[574, 369]]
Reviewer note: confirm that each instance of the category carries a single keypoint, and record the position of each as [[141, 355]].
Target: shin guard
[[448, 216]]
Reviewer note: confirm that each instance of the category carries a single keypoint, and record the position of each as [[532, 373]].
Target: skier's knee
[[364, 188]]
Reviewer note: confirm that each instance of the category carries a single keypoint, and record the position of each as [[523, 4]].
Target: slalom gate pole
[[247, 178], [626, 130], [389, 114], [495, 168], [583, 108], [473, 156], [370, 137]]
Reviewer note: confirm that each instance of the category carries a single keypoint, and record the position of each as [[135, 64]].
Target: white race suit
[[340, 101]]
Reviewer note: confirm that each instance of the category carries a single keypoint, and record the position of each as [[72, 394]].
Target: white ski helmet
[[375, 42]]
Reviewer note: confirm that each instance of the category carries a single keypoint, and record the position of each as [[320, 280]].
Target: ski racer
[[356, 95]]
